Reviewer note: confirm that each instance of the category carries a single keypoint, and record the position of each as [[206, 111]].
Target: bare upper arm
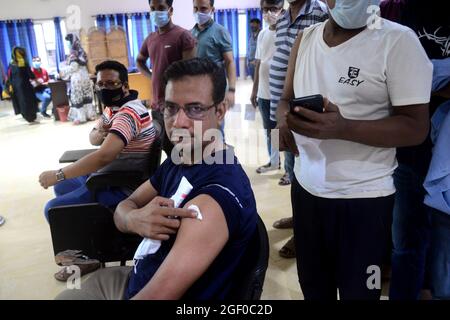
[[197, 245], [228, 57], [111, 147], [419, 114], [288, 91], [142, 58]]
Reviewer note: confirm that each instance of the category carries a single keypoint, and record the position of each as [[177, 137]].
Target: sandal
[[288, 250], [285, 223], [285, 181], [64, 274], [73, 257]]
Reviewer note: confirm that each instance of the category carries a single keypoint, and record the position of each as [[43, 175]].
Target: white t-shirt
[[364, 77], [265, 50]]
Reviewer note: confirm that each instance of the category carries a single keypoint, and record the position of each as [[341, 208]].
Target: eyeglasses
[[100, 85], [192, 111], [272, 10]]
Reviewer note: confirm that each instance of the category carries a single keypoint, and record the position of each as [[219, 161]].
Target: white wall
[[44, 9]]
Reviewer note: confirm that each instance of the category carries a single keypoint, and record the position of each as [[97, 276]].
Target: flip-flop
[[64, 274], [73, 257], [2, 221], [285, 223], [288, 250], [285, 181]]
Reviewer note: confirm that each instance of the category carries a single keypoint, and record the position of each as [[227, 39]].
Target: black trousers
[[340, 244]]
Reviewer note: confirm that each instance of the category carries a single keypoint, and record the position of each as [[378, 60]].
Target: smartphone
[[313, 103]]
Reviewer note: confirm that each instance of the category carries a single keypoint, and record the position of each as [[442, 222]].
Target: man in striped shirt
[[124, 133], [300, 15]]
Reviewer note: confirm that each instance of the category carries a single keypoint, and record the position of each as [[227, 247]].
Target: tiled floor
[[26, 257]]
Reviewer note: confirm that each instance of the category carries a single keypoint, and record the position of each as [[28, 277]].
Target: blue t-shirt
[[230, 187]]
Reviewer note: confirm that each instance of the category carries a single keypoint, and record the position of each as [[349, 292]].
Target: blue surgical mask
[[352, 14], [160, 18], [37, 65], [202, 18]]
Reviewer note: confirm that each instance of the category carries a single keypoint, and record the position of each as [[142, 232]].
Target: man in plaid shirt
[[300, 15]]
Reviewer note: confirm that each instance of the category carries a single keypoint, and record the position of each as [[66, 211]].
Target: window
[[243, 29], [45, 39]]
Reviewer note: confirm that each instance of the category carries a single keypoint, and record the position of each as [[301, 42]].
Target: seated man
[[125, 133], [198, 258], [42, 91]]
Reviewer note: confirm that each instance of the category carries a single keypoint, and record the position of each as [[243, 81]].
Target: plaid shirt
[[314, 11]]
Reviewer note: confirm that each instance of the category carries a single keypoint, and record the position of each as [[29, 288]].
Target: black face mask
[[112, 98], [254, 29]]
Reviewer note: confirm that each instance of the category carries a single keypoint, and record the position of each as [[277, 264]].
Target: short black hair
[[211, 2], [169, 2], [199, 67], [255, 20], [273, 2], [113, 65]]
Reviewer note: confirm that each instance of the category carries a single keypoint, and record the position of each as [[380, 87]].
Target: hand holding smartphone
[[313, 103]]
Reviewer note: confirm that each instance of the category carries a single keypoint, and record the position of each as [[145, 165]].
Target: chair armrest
[[75, 155], [118, 179]]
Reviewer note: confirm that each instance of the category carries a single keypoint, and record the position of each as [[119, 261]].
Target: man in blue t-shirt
[[195, 256]]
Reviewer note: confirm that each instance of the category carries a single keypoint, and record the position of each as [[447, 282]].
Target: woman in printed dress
[[81, 86]]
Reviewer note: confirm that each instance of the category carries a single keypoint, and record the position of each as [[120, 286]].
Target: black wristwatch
[[232, 89], [60, 176]]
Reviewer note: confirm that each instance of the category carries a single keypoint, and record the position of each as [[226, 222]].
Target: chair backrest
[[249, 279], [90, 228]]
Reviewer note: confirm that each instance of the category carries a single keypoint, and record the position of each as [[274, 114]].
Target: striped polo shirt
[[132, 123], [314, 11]]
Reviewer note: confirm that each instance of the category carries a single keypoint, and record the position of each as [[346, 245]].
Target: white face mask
[[352, 14], [271, 18], [202, 18]]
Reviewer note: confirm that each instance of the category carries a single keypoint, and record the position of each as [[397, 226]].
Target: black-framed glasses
[[272, 10], [193, 111], [111, 85]]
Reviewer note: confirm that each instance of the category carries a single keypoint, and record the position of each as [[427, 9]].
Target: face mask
[[254, 29], [160, 18], [202, 18], [37, 65], [271, 18], [112, 98], [352, 14]]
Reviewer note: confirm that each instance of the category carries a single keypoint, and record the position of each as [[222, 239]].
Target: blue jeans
[[411, 235], [74, 191], [45, 97], [289, 162], [269, 125], [440, 255]]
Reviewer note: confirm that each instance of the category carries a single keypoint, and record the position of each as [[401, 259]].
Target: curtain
[[17, 33], [229, 18], [141, 27], [60, 54]]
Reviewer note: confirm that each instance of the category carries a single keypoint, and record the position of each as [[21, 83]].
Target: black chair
[[91, 227], [252, 270]]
